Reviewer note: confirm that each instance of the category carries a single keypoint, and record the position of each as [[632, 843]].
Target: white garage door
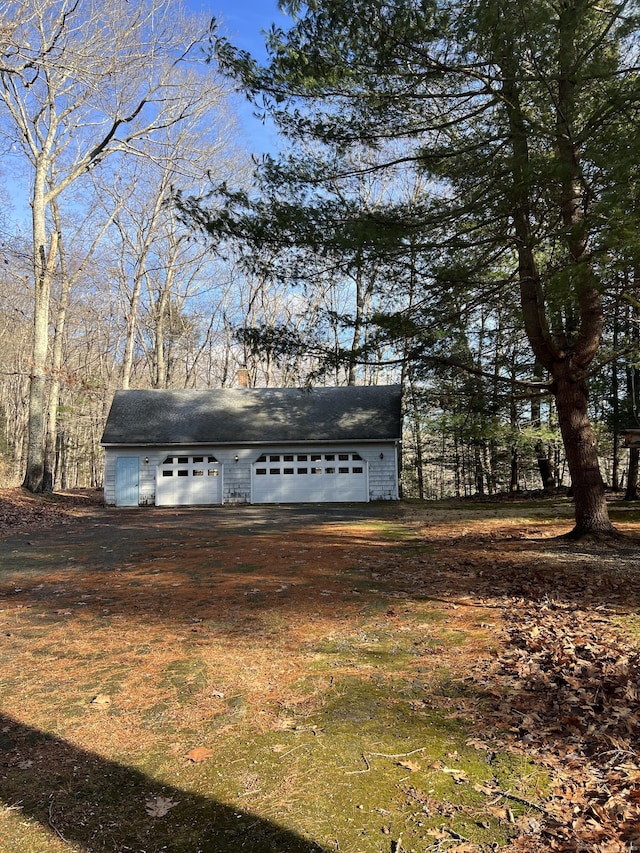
[[309, 477], [188, 481]]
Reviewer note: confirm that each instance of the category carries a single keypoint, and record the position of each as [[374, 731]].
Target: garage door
[[309, 477], [188, 481]]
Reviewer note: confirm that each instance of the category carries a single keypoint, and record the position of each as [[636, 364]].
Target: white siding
[[380, 458], [383, 472]]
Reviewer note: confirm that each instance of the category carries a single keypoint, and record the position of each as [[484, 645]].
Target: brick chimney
[[242, 377]]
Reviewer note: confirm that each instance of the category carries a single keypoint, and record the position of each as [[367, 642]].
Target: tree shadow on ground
[[100, 805], [565, 691], [169, 566], [490, 568]]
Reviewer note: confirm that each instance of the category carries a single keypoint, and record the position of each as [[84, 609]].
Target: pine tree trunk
[[631, 493], [564, 350], [514, 483], [545, 466], [591, 515]]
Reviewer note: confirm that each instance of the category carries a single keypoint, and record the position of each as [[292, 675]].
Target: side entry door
[[127, 480]]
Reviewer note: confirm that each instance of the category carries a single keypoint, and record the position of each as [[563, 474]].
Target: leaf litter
[[568, 690], [537, 639], [199, 754], [564, 687]]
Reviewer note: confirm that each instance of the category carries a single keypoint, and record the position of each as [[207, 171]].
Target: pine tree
[[522, 117]]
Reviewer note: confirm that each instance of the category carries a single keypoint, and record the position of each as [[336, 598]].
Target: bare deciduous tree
[[80, 82]]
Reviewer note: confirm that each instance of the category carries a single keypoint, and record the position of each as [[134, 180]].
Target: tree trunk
[[592, 517], [565, 353], [132, 326], [615, 403], [56, 360], [43, 266], [514, 481], [545, 466], [631, 493], [416, 424]]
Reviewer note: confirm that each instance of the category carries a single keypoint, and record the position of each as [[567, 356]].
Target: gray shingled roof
[[254, 416]]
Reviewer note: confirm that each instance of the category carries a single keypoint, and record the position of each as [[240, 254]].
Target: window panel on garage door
[[188, 480], [310, 477]]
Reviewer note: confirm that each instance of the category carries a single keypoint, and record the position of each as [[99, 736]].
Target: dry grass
[[336, 673]]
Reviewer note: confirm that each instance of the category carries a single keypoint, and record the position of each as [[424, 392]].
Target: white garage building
[[252, 445]]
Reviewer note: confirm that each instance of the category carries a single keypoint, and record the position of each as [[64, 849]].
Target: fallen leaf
[[457, 774], [198, 754], [159, 806], [409, 765]]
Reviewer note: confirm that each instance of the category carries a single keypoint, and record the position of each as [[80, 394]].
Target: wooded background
[[152, 251]]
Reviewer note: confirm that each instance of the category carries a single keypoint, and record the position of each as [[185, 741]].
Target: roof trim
[[312, 443]]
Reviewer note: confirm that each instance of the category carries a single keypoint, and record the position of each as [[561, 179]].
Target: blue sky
[[243, 22]]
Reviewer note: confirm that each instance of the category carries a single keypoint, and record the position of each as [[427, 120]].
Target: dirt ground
[[365, 678]]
